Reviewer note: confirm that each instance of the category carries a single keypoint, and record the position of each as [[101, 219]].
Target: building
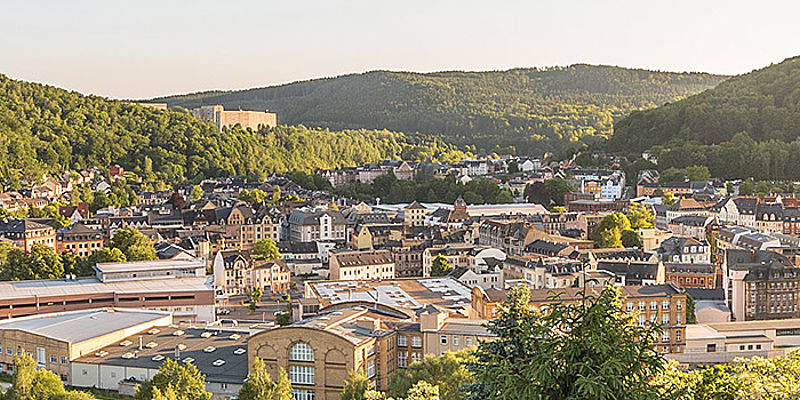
[[237, 273], [147, 270], [690, 225], [407, 256], [693, 275], [685, 250], [25, 233], [56, 340], [271, 276], [664, 304], [414, 215], [79, 239], [253, 120], [762, 285], [361, 265], [307, 225], [120, 366], [188, 299]]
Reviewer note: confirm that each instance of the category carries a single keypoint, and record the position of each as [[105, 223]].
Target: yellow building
[[361, 265]]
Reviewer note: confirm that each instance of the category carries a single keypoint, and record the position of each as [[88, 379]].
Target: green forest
[[522, 111], [44, 129], [763, 104]]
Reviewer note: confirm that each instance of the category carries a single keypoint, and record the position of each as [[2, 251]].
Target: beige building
[[55, 340], [414, 215], [361, 265], [253, 120]]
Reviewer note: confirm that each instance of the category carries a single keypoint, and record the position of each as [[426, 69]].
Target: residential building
[[79, 239], [25, 233], [361, 265], [691, 275], [685, 250], [307, 225]]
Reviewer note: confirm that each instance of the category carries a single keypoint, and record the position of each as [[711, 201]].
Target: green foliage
[[697, 173], [608, 233], [185, 380], [40, 263], [549, 192], [440, 266], [133, 244], [30, 383], [266, 249], [671, 174], [448, 372], [747, 187], [640, 217], [691, 316], [197, 192], [521, 110], [49, 130], [761, 103], [423, 391], [588, 350], [355, 387], [253, 197], [668, 199], [260, 386], [255, 297], [630, 239], [443, 190]]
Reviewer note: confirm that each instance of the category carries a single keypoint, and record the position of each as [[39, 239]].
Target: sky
[[144, 48]]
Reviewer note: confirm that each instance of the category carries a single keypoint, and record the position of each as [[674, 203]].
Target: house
[[306, 225], [79, 239], [74, 213], [684, 250]]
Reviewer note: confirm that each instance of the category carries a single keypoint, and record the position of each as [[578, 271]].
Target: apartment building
[[25, 233], [79, 239], [307, 225], [361, 265]]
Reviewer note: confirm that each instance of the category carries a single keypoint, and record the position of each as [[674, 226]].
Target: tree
[[440, 266], [30, 383], [698, 173], [536, 192], [41, 262], [255, 297], [556, 189], [276, 195], [448, 372], [423, 391], [630, 239], [197, 192], [100, 200], [266, 249], [253, 197], [133, 244], [185, 380], [177, 201], [608, 233], [504, 197], [691, 316], [559, 210], [355, 387], [640, 217], [747, 187], [513, 167], [670, 175], [591, 349], [669, 199], [260, 386]]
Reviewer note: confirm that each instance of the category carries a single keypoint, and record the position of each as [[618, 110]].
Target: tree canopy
[[184, 380], [133, 244]]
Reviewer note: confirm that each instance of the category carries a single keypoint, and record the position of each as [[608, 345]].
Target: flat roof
[[148, 265], [408, 293], [756, 325], [84, 286], [224, 344], [79, 326]]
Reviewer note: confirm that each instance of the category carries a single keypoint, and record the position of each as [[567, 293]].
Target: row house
[[237, 273]]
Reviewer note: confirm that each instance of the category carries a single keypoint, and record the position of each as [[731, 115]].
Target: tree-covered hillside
[[764, 103], [46, 129], [520, 110]]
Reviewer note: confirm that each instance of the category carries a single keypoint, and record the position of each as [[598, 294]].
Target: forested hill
[[530, 109], [764, 103], [748, 126], [46, 129]]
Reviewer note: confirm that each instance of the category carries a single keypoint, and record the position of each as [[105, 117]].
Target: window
[[468, 340], [402, 341], [53, 359], [371, 369], [741, 347], [678, 335], [63, 360], [10, 351], [677, 319], [642, 320], [402, 359], [664, 319], [301, 352], [665, 337], [629, 306], [455, 340], [416, 341], [642, 306], [711, 348], [301, 394], [301, 374], [665, 305], [416, 357], [654, 305], [444, 340]]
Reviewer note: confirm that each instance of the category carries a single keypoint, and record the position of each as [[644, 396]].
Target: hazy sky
[[142, 48]]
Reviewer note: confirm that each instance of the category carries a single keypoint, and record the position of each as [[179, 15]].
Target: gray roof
[[233, 371], [79, 326]]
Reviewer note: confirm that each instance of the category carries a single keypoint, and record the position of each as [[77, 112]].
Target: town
[[210, 270]]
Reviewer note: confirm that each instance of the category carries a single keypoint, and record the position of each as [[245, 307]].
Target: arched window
[[301, 352]]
